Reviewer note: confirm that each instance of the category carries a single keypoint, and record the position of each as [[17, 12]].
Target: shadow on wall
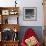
[[37, 29]]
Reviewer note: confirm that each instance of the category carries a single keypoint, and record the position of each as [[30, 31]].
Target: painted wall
[[26, 3], [38, 5]]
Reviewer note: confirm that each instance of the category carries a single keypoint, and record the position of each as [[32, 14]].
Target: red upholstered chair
[[29, 33]]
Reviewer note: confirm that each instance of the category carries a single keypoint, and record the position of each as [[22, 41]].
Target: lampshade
[[15, 30]]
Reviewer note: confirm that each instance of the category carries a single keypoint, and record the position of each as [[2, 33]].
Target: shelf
[[11, 41], [6, 12], [9, 10], [9, 20], [10, 26]]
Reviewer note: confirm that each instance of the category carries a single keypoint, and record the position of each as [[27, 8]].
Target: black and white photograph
[[30, 13]]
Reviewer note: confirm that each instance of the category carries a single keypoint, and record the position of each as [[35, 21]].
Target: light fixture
[[15, 30], [15, 3]]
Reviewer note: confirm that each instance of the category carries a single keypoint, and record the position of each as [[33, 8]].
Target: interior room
[[22, 23]]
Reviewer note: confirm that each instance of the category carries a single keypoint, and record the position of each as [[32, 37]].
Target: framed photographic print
[[12, 20], [30, 13], [5, 12]]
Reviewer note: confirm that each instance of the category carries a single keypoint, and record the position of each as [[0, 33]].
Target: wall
[[26, 3], [38, 5]]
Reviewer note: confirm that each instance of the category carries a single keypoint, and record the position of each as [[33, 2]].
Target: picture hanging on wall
[[30, 13]]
